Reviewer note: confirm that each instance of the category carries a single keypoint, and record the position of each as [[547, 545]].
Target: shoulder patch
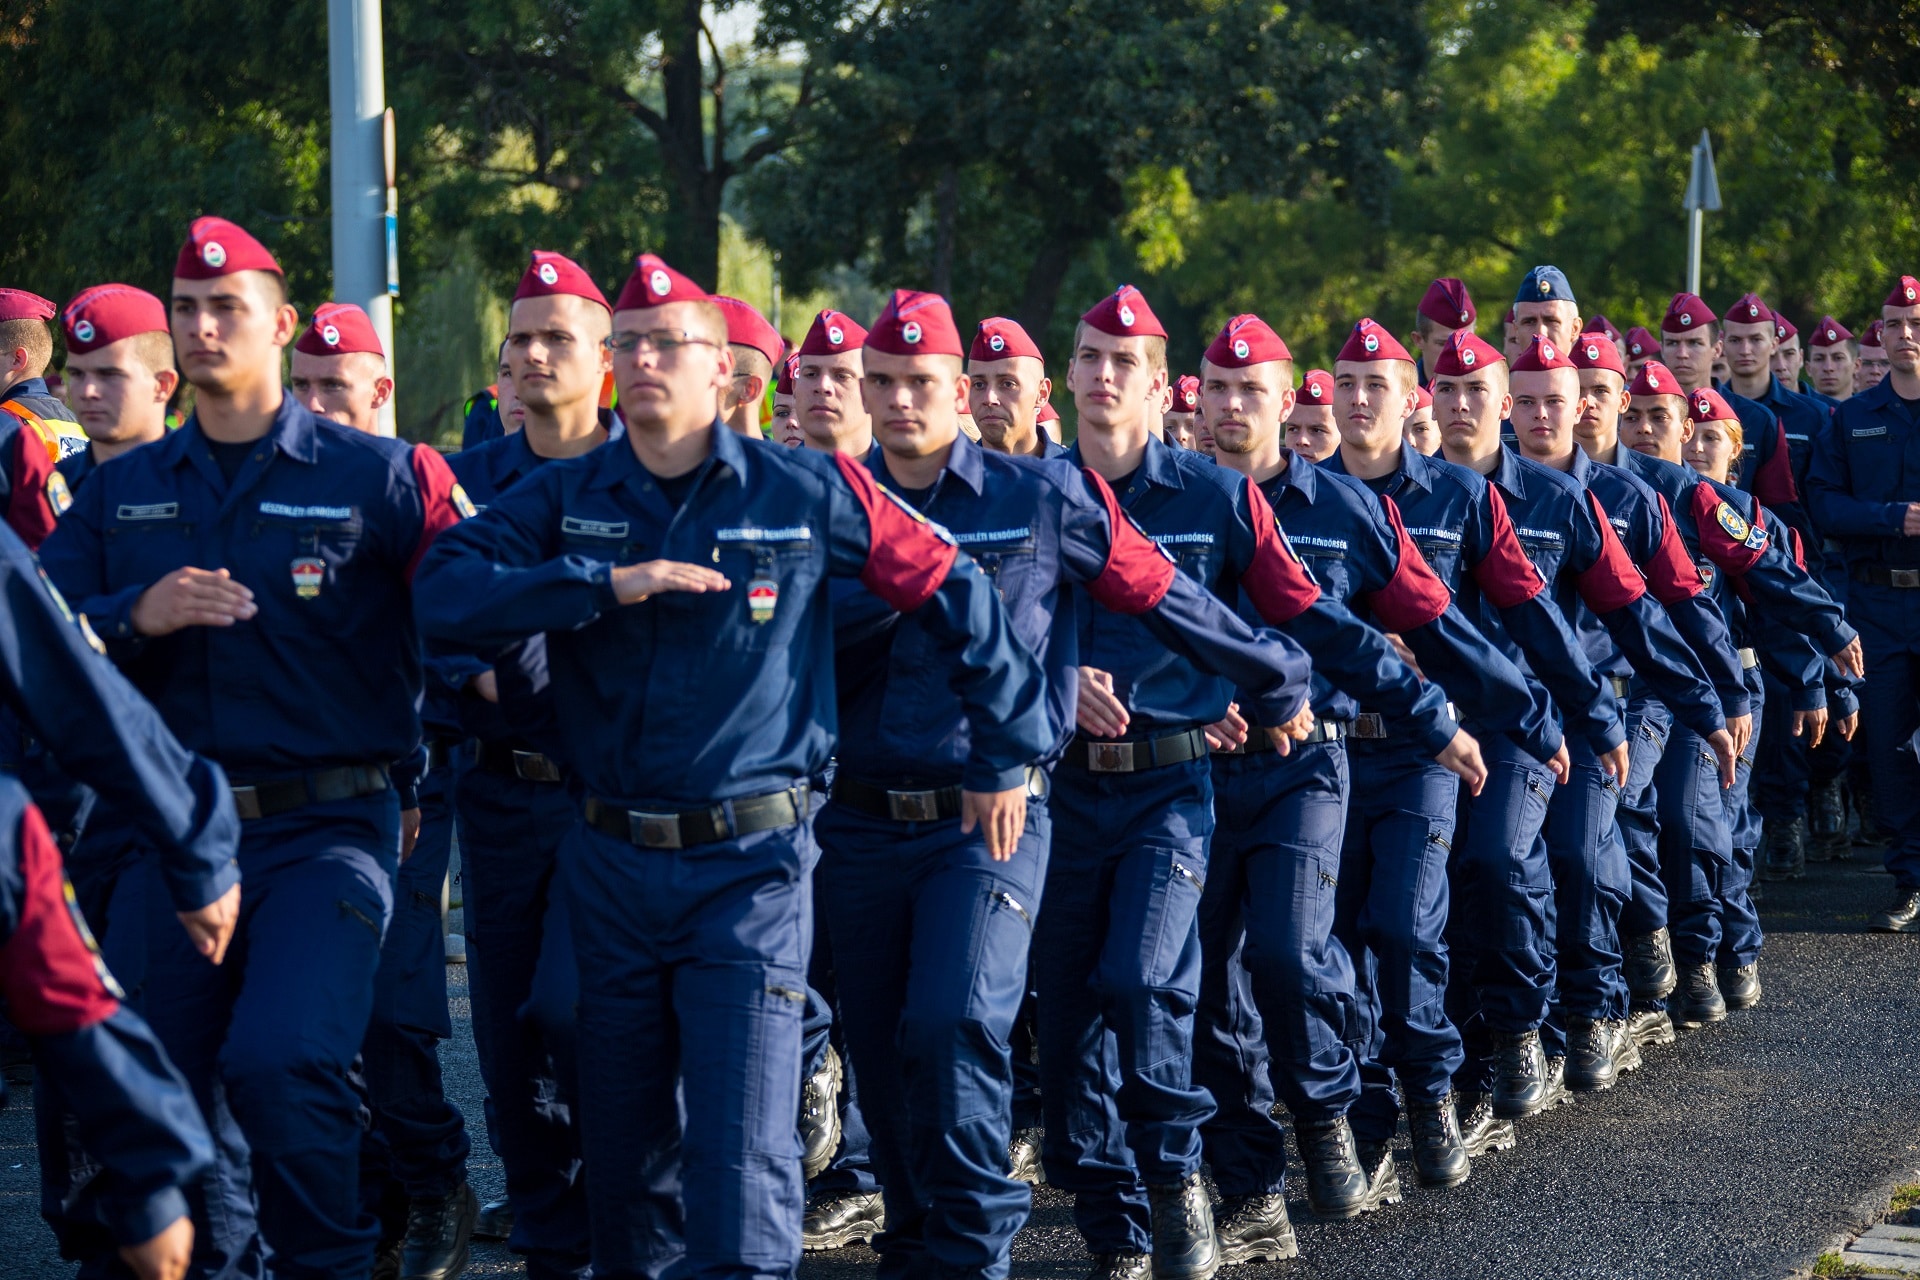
[[1736, 526], [462, 503], [59, 496]]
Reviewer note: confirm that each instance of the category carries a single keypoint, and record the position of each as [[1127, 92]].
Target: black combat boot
[[820, 1115], [1700, 1001], [1023, 1157], [1649, 1026], [1521, 1085], [1900, 913], [1184, 1246], [1598, 1051], [1255, 1229], [1439, 1151], [1783, 850], [1336, 1184], [1740, 985], [1649, 965], [1481, 1131], [439, 1232], [494, 1221], [834, 1222]]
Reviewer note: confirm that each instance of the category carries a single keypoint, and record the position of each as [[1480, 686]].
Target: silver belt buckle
[[654, 830], [1369, 726], [531, 766], [1905, 579], [1109, 757], [913, 806], [246, 802]]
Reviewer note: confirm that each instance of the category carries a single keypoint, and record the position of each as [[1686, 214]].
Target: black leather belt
[[265, 799], [1096, 755], [652, 829], [1371, 726], [1258, 741], [905, 805], [1748, 659], [530, 766], [1880, 576]]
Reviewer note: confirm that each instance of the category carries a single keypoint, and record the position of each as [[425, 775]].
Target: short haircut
[[154, 350], [35, 336], [1156, 347], [751, 362], [1424, 324]]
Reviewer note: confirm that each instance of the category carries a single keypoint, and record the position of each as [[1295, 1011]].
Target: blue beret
[[1544, 284]]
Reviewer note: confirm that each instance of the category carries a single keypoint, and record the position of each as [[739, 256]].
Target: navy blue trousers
[[931, 939], [1117, 960], [1889, 623], [1277, 992], [1649, 727], [524, 988]]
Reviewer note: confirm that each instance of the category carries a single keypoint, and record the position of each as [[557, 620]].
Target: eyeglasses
[[660, 341]]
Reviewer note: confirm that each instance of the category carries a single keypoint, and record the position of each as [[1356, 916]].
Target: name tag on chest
[[609, 529]]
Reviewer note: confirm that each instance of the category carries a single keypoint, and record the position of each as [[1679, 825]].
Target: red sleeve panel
[[1414, 596], [1725, 535], [53, 977], [29, 514], [907, 560], [1505, 575], [1671, 574], [1137, 572], [1799, 547], [1773, 478], [443, 502], [1611, 581], [1275, 580]]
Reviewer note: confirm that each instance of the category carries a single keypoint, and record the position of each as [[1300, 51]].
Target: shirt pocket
[[307, 567], [1875, 457], [771, 583], [145, 543]]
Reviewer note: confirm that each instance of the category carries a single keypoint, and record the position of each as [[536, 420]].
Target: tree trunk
[[946, 202], [693, 194], [1045, 274]]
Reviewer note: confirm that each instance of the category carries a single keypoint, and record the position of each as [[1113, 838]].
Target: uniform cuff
[[1278, 705], [982, 776], [140, 1222], [1437, 734], [604, 597], [195, 886], [1811, 698]]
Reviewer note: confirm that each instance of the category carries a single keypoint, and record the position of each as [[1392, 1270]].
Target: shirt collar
[[728, 449], [1298, 476], [292, 432], [1157, 465], [1508, 474], [1582, 468]]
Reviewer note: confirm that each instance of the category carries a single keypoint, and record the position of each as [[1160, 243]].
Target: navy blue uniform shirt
[[1865, 471], [686, 699]]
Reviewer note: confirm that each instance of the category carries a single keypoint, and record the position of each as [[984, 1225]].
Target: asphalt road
[[1741, 1151]]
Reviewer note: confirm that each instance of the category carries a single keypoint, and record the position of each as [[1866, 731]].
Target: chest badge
[[763, 597], [308, 573]]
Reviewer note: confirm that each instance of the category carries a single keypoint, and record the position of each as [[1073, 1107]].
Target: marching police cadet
[[687, 881], [1651, 535], [414, 1164], [1117, 957], [757, 347], [1423, 434], [1007, 387], [1544, 307], [1635, 644], [1862, 496], [1276, 856], [314, 531], [786, 426], [120, 374], [931, 932], [1789, 358], [1831, 357], [1498, 865], [1599, 324], [1690, 346], [1724, 531], [1309, 426], [1402, 828], [488, 414], [1177, 424], [36, 428], [1871, 364], [1445, 309], [511, 797], [339, 369], [1511, 342], [1639, 347], [827, 387]]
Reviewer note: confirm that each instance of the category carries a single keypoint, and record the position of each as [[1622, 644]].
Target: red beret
[[1706, 405], [338, 329], [1316, 388], [1246, 340], [833, 332], [1124, 314], [1686, 313], [999, 338], [1600, 324], [783, 380], [1186, 394], [651, 283], [1641, 342], [551, 274], [1509, 317], [1872, 338], [1906, 293], [1046, 412], [1783, 328], [746, 327], [1425, 401], [1655, 379], [1541, 356], [216, 247], [1596, 351], [1448, 303], [915, 324], [106, 313], [1465, 352], [1749, 309], [18, 304], [1829, 333], [1369, 341]]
